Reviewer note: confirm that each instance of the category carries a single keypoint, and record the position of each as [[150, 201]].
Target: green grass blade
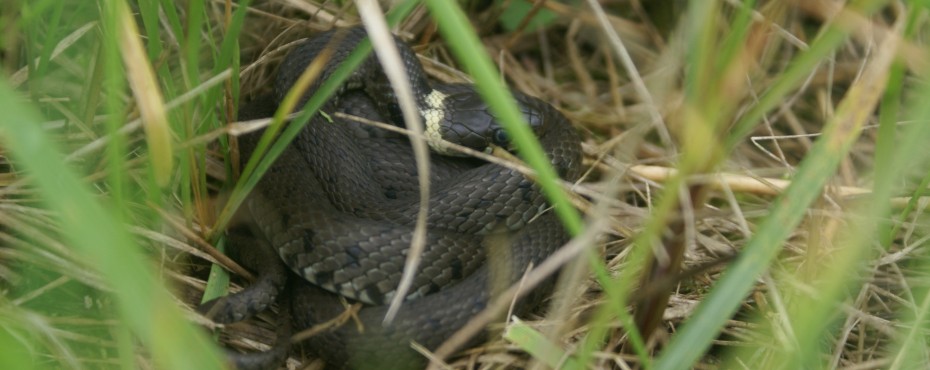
[[148, 10], [787, 212], [142, 302], [537, 345], [271, 145], [458, 32], [461, 37], [696, 336]]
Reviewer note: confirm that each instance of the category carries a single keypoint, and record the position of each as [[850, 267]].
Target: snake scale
[[338, 207]]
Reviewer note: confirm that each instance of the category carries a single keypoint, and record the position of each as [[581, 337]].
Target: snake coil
[[338, 207]]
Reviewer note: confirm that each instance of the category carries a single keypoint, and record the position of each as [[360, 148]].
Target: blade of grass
[[687, 345], [192, 43], [271, 145], [537, 345], [887, 120], [912, 347], [893, 158], [147, 93], [174, 28], [113, 87], [455, 27], [736, 38], [16, 341], [813, 317], [218, 281], [457, 31], [659, 247], [50, 12], [148, 10], [389, 57], [704, 111], [832, 36], [141, 301]]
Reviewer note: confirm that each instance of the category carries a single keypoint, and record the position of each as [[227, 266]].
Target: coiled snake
[[339, 207]]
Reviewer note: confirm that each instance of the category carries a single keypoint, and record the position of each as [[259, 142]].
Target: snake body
[[338, 207]]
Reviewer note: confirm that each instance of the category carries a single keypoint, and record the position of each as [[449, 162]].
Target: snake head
[[462, 117]]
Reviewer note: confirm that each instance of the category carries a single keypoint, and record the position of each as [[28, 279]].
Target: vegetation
[[754, 198]]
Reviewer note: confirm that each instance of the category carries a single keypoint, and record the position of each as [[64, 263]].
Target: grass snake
[[338, 207]]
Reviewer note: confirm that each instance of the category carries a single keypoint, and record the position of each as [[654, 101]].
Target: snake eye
[[500, 137]]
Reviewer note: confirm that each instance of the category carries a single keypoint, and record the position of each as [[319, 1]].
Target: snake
[[333, 218]]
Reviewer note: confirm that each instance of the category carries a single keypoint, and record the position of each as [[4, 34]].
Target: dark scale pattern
[[339, 208]]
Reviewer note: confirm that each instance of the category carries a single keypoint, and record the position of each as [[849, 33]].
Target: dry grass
[[634, 126]]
